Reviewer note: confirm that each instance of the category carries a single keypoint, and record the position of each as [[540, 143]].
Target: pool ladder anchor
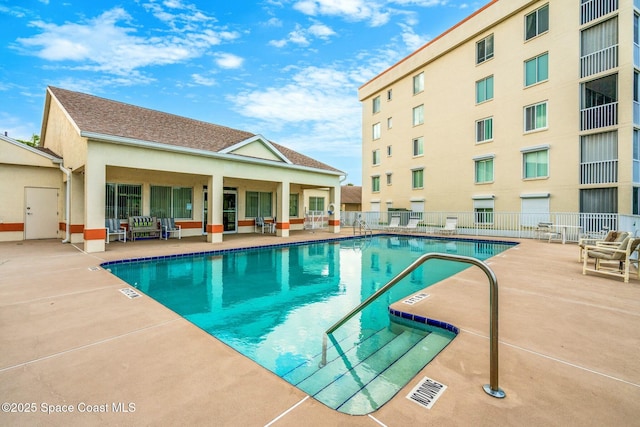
[[492, 389]]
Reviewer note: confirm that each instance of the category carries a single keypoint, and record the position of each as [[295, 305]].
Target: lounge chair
[[612, 239], [114, 227], [412, 225], [169, 227], [394, 224], [450, 226], [620, 257]]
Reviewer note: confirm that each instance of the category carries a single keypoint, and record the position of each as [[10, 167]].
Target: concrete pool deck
[[569, 347]]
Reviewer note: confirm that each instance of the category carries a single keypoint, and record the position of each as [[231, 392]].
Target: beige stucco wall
[[450, 113], [21, 168]]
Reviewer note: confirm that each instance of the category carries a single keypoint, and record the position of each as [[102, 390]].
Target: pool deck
[[569, 348]]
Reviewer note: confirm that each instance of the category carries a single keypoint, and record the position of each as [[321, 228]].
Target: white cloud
[[202, 80], [229, 60], [351, 10], [303, 36], [321, 31], [108, 43]]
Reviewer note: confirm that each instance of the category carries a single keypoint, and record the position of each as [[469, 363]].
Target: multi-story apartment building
[[525, 106]]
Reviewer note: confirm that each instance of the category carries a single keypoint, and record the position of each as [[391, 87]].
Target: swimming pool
[[273, 305]]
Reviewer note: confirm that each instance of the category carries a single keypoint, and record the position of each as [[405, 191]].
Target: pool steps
[[361, 378]]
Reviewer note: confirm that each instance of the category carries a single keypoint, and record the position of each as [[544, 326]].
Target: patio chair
[[620, 257], [450, 226], [612, 239], [114, 228], [547, 231], [262, 225], [169, 227], [394, 224]]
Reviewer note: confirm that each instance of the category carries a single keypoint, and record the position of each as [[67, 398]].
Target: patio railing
[[500, 224]]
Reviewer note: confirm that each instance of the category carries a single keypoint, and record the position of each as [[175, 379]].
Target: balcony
[[602, 172], [594, 9], [599, 61], [599, 116]]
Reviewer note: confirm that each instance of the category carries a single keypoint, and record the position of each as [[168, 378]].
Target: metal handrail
[[362, 224], [492, 388]]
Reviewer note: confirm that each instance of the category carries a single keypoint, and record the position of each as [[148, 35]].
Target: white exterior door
[[41, 213]]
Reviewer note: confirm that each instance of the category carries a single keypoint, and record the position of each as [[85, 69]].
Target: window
[[418, 146], [536, 23], [376, 104], [294, 201], [535, 164], [534, 209], [316, 204], [417, 179], [375, 184], [389, 150], [257, 204], [484, 170], [484, 89], [484, 129], [389, 94], [375, 157], [484, 49], [389, 178], [123, 200], [375, 130], [418, 115], [418, 83], [483, 215], [171, 202], [535, 117], [536, 70], [389, 123]]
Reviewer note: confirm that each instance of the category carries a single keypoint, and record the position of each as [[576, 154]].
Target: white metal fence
[[500, 224]]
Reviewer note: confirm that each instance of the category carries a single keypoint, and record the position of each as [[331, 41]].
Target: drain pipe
[[67, 203]]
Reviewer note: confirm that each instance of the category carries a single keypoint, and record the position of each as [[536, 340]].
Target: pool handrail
[[492, 388]]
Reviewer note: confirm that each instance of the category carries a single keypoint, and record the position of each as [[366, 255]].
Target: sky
[[288, 70]]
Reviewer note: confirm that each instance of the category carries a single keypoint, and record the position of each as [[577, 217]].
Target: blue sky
[[286, 69]]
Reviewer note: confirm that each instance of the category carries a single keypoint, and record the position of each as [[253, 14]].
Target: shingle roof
[[351, 194], [103, 116]]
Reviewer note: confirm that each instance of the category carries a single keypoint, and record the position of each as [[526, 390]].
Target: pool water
[[273, 305]]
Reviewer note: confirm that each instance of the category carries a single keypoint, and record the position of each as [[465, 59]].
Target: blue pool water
[[273, 305]]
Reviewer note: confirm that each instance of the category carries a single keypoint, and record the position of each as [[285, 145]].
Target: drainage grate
[[427, 392], [414, 299], [130, 293], [94, 268]]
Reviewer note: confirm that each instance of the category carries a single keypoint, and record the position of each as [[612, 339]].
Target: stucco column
[[77, 207], [282, 209], [334, 209], [215, 197], [94, 198]]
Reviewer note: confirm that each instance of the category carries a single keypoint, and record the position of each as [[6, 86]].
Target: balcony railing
[[599, 61], [599, 116], [594, 9], [604, 172]]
